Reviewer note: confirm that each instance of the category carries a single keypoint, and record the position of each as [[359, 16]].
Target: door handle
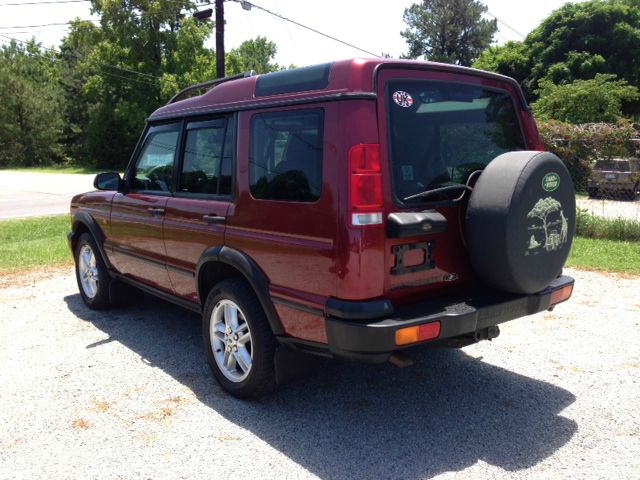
[[155, 211], [213, 219]]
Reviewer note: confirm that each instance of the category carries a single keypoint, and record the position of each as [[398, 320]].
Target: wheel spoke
[[231, 316], [219, 336], [241, 327], [243, 358], [244, 338], [230, 361]]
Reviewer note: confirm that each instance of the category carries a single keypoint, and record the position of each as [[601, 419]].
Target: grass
[[32, 242], [605, 255], [591, 226]]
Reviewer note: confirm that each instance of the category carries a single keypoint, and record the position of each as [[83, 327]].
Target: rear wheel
[[91, 274], [593, 192], [238, 341]]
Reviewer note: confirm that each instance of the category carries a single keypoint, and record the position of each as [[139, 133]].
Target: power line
[[108, 65], [19, 4], [250, 5], [507, 25], [44, 24]]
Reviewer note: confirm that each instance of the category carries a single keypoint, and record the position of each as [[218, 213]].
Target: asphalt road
[[28, 194], [126, 393]]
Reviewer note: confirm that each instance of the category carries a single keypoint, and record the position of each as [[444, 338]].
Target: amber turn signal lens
[[561, 294], [417, 333]]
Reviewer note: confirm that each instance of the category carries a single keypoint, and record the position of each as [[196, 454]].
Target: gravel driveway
[[127, 394]]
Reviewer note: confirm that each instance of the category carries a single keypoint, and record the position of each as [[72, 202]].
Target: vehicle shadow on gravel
[[352, 420]]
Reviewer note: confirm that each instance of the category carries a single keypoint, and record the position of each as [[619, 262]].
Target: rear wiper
[[437, 191]]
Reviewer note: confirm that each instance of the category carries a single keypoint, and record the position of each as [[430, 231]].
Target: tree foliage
[[88, 102], [580, 145], [450, 31], [576, 42], [583, 101], [256, 55], [31, 106]]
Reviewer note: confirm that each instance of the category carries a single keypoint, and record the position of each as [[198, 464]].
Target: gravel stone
[[127, 393]]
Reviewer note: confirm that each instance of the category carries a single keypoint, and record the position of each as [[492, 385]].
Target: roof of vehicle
[[340, 79]]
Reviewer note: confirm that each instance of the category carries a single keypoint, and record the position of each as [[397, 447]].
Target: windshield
[[441, 132], [612, 165]]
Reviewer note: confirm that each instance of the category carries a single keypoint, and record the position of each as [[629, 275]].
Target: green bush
[[591, 226], [578, 146]]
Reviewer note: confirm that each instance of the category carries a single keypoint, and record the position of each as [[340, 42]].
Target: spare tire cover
[[520, 221]]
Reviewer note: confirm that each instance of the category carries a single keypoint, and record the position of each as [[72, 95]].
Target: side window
[[154, 167], [286, 155], [208, 156]]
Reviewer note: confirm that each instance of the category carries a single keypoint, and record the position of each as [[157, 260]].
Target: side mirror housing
[[108, 181]]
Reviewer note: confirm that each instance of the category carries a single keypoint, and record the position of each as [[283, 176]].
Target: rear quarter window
[[286, 155]]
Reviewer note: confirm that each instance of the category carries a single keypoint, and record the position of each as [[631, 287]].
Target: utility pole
[[219, 38]]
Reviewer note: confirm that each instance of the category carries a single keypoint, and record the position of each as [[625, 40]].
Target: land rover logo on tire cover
[[550, 227], [551, 182]]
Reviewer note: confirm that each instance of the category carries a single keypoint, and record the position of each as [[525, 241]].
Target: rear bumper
[[610, 186], [375, 341]]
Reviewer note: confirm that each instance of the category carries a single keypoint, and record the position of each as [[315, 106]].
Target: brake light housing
[[365, 185]]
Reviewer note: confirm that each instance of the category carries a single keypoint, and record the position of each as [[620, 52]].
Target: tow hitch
[[488, 333]]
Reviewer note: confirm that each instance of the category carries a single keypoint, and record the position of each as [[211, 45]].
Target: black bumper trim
[[375, 341]]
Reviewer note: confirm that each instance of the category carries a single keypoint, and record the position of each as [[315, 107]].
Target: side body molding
[[251, 273]]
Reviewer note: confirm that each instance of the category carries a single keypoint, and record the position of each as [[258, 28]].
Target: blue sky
[[372, 25]]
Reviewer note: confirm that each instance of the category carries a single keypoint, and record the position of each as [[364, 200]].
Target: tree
[[576, 42], [584, 101], [255, 55], [32, 106], [450, 31], [512, 59], [541, 210]]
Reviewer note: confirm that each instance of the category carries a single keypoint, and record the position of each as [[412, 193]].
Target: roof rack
[[210, 83]]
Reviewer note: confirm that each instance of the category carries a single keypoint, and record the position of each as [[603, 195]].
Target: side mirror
[[108, 181]]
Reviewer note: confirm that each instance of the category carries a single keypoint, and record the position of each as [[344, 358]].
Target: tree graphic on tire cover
[[541, 210]]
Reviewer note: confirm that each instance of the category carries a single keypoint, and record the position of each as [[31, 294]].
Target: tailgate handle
[[155, 211], [213, 219]]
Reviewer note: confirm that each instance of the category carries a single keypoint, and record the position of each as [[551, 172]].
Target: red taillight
[[365, 185]]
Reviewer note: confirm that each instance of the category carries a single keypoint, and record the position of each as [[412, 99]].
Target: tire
[[593, 193], [238, 341], [91, 274], [520, 221]]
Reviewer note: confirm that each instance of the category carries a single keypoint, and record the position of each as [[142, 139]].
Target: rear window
[[441, 132], [612, 166]]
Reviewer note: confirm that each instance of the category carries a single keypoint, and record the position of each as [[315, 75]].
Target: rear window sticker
[[402, 99]]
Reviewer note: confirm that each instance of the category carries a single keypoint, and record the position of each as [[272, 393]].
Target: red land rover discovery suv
[[351, 209]]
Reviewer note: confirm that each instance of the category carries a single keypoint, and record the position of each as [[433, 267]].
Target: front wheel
[[91, 274], [238, 341]]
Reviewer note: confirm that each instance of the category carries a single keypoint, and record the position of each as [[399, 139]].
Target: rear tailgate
[[436, 128]]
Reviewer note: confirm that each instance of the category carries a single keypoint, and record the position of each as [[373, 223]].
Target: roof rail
[[210, 83]]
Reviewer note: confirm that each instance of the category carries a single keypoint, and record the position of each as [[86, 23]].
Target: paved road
[[126, 393], [27, 194]]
